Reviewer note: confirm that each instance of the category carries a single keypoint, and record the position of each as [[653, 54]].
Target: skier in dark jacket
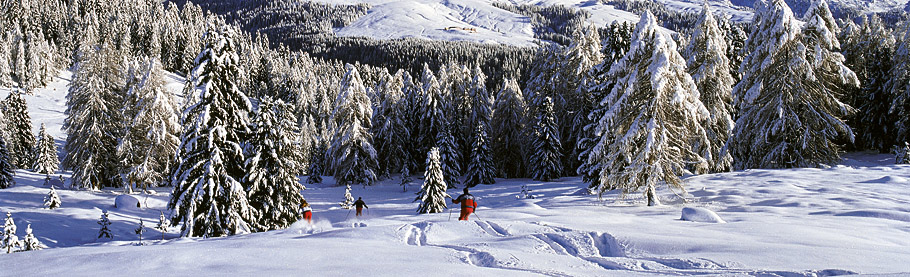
[[467, 204], [359, 204]]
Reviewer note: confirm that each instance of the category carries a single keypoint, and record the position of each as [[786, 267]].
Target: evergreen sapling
[[52, 200], [433, 192], [348, 202], [105, 230], [30, 242], [10, 241]]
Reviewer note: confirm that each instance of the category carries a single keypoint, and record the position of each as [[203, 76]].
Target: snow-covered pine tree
[[432, 194], [449, 158], [6, 168], [21, 142], [791, 119], [30, 242], [209, 199], [271, 179], [869, 49], [162, 224], [45, 153], [616, 43], [10, 242], [105, 231], [348, 202], [52, 200], [583, 58], [317, 159], [352, 153], [900, 87], [92, 121], [546, 150], [139, 231], [710, 70], [432, 113], [902, 154], [823, 49], [480, 168], [508, 125], [6, 72], [655, 114], [151, 133], [390, 130], [405, 179], [772, 26], [482, 101]]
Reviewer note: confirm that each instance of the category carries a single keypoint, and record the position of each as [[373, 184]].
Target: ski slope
[[848, 218]]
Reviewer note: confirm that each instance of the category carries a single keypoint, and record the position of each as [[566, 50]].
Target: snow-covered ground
[[850, 218]]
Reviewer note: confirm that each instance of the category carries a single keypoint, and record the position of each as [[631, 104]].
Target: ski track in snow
[[848, 218]]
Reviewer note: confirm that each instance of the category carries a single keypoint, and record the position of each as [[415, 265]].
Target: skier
[[359, 204], [467, 204], [307, 211]]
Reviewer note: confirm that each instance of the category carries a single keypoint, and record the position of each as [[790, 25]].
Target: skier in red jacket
[[467, 204], [307, 211]]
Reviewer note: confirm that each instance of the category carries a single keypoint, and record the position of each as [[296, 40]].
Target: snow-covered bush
[[902, 154], [10, 242]]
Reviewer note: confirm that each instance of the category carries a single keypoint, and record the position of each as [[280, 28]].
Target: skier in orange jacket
[[467, 204]]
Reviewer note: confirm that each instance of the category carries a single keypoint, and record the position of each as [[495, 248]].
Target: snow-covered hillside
[[849, 218]]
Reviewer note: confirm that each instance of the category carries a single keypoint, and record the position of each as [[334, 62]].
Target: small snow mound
[[125, 201], [358, 224], [700, 215]]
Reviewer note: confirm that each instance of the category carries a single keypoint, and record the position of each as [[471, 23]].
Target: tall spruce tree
[[873, 124], [823, 50], [508, 124], [772, 26], [352, 152], [390, 130], [792, 119], [432, 194], [92, 121], [432, 113], [45, 153], [208, 198], [583, 61], [655, 114], [19, 128], [710, 70], [480, 168], [900, 87], [546, 150], [449, 157], [6, 167], [272, 169], [152, 129]]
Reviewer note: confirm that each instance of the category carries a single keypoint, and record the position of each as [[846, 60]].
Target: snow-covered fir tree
[[433, 108], [92, 121], [105, 230], [10, 242], [21, 140], [772, 26], [151, 133], [6, 167], [900, 87], [508, 125], [52, 200], [162, 225], [902, 154], [616, 43], [449, 158], [432, 195], [353, 158], [823, 48], [6, 72], [655, 114], [140, 230], [390, 131], [710, 70], [869, 50], [583, 58], [546, 150], [272, 169], [348, 202], [482, 101], [480, 168], [317, 159], [30, 242], [405, 179], [209, 198], [45, 153], [791, 119]]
